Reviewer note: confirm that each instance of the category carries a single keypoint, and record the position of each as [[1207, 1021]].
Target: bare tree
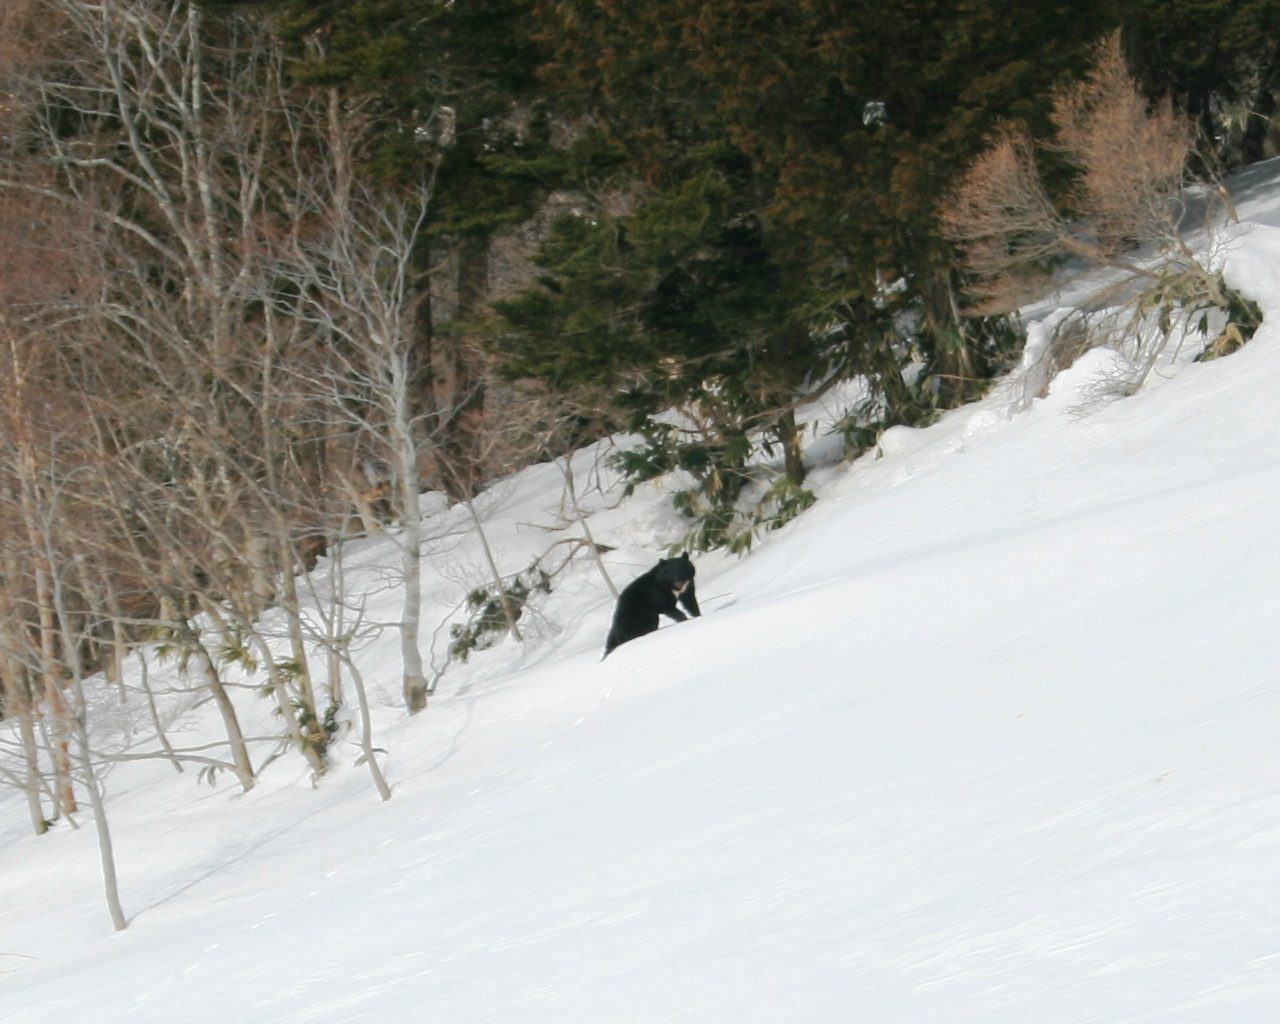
[[1128, 211], [166, 180], [344, 629], [1130, 157], [18, 701], [353, 281], [192, 145], [54, 638], [243, 346], [37, 283], [71, 639]]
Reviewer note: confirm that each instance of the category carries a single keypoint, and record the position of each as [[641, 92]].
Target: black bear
[[645, 596]]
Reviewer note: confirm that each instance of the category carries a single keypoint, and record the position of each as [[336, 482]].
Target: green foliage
[[318, 731], [1216, 58], [208, 775], [234, 650], [170, 650], [782, 162], [686, 281], [678, 304], [736, 528], [772, 209], [1243, 318], [725, 474], [448, 81], [488, 606]]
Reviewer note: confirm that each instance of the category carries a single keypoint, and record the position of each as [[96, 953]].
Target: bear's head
[[676, 573]]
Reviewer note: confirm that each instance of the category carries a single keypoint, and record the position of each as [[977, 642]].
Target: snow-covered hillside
[[991, 735]]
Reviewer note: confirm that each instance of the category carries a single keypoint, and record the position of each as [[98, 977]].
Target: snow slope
[[991, 734]]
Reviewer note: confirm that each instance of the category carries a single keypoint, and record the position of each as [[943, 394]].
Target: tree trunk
[[337, 642], [463, 472], [415, 681], [581, 517], [789, 436], [316, 737], [161, 736], [1253, 145], [64, 788], [368, 753], [119, 641], [509, 611], [31, 770], [106, 851], [15, 689], [422, 345], [230, 722], [78, 723]]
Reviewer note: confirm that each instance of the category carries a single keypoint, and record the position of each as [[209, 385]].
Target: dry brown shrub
[[1130, 157], [1004, 222]]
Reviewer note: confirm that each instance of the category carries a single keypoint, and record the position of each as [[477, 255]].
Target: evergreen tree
[[678, 304], [797, 150], [1219, 59]]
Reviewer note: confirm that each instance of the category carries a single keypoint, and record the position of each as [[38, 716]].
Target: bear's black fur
[[653, 593]]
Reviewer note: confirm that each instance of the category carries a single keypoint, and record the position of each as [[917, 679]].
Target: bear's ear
[[685, 557]]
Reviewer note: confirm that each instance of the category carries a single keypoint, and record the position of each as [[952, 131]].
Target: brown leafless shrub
[[1132, 154], [1125, 212], [1004, 222], [1129, 157]]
